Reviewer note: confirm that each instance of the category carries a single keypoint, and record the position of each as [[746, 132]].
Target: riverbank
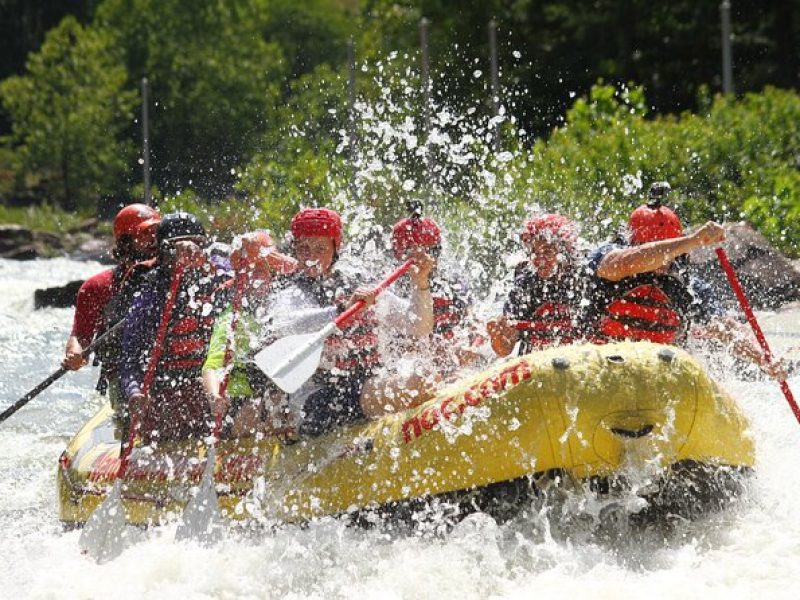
[[87, 240]]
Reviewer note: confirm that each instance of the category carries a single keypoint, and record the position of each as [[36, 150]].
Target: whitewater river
[[752, 550]]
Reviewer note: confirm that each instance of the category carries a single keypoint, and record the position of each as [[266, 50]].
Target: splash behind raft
[[590, 414]]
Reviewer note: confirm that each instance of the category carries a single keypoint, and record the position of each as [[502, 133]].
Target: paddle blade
[[292, 360], [103, 535], [201, 521]]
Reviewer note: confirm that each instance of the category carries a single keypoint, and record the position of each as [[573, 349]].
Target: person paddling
[[542, 306], [229, 363], [453, 336], [104, 299], [176, 406], [643, 290], [312, 297], [419, 363]]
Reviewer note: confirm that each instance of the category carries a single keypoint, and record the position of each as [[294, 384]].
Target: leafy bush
[[739, 159], [43, 217], [68, 112]]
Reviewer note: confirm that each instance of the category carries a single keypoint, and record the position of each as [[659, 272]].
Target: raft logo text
[[453, 406]]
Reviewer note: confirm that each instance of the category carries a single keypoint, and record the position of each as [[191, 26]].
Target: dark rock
[[45, 238], [769, 279], [14, 236], [94, 249], [62, 296], [25, 252]]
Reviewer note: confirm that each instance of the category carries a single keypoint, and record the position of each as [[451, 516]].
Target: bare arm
[[413, 317], [651, 256], [421, 308], [741, 343], [211, 382], [421, 299]]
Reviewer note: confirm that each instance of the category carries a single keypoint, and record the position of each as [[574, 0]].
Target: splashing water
[[751, 548]]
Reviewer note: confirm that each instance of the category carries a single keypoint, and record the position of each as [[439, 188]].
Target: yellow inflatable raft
[[585, 413]]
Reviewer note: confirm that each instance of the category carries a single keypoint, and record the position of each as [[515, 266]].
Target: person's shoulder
[[97, 287], [596, 255], [101, 280]]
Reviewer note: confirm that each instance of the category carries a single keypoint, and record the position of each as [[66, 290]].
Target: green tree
[[68, 112], [299, 163], [215, 82]]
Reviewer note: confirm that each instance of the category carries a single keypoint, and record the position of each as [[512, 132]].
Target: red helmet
[[654, 223], [414, 232], [135, 220], [550, 225], [322, 222]]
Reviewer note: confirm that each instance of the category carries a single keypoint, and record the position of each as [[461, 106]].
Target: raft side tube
[[585, 410]]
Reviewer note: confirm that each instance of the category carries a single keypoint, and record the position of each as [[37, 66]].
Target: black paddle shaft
[[58, 374]]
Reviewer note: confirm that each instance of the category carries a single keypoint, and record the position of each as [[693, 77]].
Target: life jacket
[[648, 307], [547, 309], [550, 324], [450, 303], [125, 284], [353, 351], [185, 345]]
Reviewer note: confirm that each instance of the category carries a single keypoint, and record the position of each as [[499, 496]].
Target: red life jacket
[[451, 300], [189, 330], [550, 324], [445, 317], [546, 308], [648, 307]]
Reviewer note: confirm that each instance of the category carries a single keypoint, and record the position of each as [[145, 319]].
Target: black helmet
[[179, 225], [658, 193]]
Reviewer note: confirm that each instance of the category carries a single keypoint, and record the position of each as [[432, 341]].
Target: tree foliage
[[250, 104], [214, 80], [734, 160], [69, 111]]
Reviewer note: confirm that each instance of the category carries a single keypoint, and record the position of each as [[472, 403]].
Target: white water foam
[[751, 550]]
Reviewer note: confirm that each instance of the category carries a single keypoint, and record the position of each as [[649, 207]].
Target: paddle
[[100, 340], [751, 318], [200, 518], [292, 360], [102, 534]]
